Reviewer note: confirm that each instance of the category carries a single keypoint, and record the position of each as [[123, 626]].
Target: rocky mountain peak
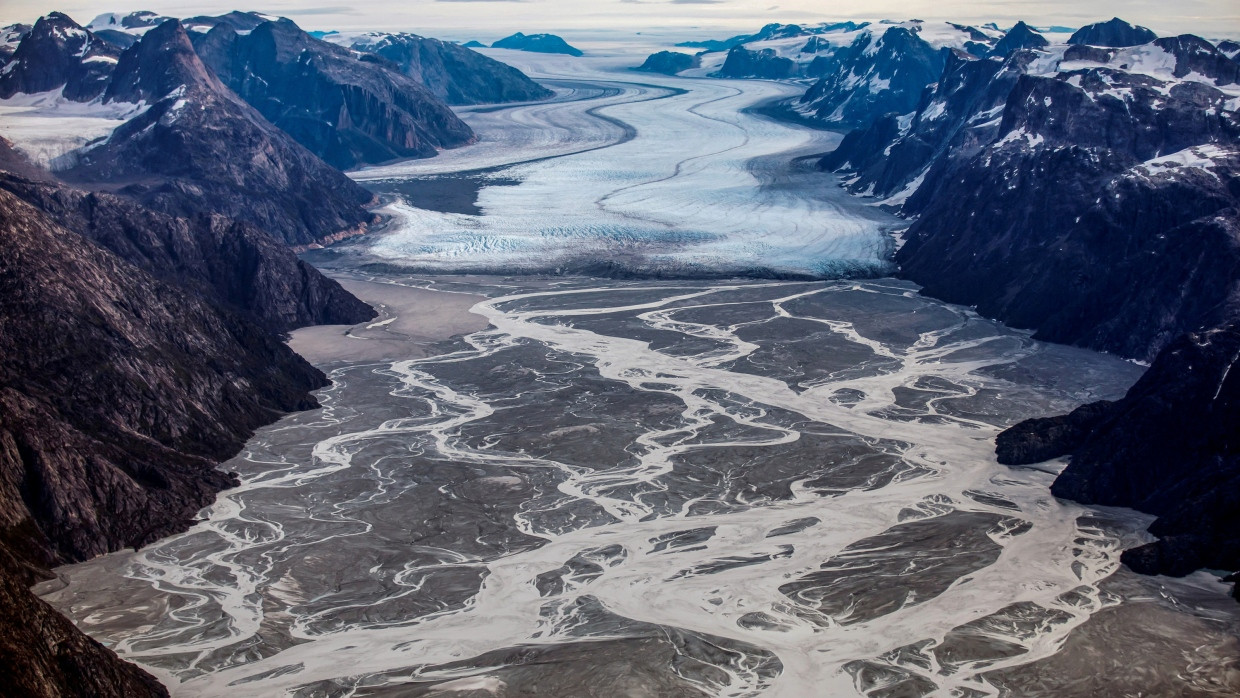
[[1020, 36], [1114, 32], [58, 52], [161, 62]]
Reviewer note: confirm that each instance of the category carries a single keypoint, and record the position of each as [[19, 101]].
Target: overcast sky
[[488, 19]]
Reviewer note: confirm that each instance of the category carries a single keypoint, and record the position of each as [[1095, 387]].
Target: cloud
[[697, 2], [332, 10]]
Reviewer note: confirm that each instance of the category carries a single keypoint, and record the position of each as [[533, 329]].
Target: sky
[[491, 19]]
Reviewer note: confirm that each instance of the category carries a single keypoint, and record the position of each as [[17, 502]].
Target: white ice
[[665, 172]]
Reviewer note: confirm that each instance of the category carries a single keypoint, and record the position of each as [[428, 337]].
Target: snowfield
[[634, 173]]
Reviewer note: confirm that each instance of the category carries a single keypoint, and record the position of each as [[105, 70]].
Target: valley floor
[[565, 485]]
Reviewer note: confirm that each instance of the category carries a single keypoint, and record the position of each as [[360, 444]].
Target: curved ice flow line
[[513, 608]]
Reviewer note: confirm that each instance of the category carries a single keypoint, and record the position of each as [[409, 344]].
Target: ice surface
[[46, 127], [662, 173]]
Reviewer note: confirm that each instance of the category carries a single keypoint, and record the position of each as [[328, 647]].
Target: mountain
[[1170, 447], [1018, 37], [774, 31], [58, 53], [347, 111], [118, 394], [765, 63], [474, 44], [1092, 194], [1143, 165], [234, 265], [451, 72], [198, 147], [10, 37], [881, 71], [1115, 33], [537, 43], [124, 30], [668, 62], [43, 654]]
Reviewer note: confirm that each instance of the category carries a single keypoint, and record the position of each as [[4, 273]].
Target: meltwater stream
[[720, 489]]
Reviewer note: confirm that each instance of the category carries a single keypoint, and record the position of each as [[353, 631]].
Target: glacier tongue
[[665, 175]]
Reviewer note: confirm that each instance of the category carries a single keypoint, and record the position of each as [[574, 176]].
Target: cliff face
[[452, 73], [1170, 447], [1043, 186], [1092, 193], [120, 391], [118, 394], [231, 263], [345, 110]]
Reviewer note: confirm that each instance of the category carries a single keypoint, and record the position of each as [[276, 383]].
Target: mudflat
[[410, 321]]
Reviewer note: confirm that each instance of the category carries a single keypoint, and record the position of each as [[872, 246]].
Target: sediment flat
[[411, 320]]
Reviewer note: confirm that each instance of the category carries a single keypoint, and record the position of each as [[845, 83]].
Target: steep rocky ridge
[[198, 147], [345, 110], [233, 264], [453, 73], [118, 394], [57, 53], [878, 73]]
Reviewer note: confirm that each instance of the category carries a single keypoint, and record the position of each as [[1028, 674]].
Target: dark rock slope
[[452, 72], [668, 62], [537, 43], [764, 63], [878, 73], [57, 53], [1092, 194], [1170, 447], [1018, 37], [233, 264], [1114, 32], [42, 654], [118, 394], [345, 110], [1028, 186], [198, 147]]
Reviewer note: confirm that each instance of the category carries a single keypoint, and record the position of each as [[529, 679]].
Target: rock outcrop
[[668, 62], [233, 264], [1114, 32], [537, 43], [764, 63], [118, 394]]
